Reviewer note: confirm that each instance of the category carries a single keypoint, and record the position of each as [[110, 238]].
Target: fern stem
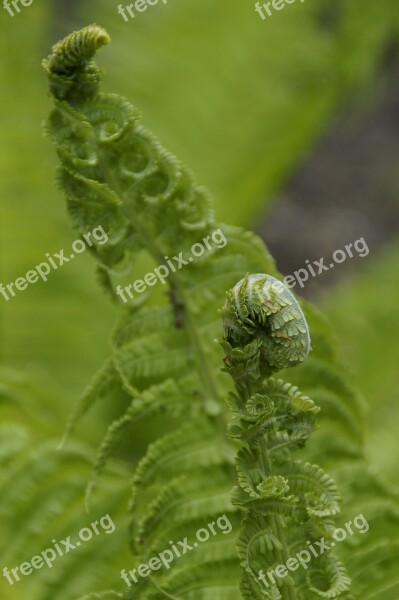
[[276, 524], [179, 296], [287, 591]]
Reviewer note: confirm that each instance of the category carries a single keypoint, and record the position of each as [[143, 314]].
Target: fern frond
[[283, 500], [42, 493], [114, 173], [216, 582], [102, 383]]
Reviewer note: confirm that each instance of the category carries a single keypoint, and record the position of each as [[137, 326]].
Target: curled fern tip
[[70, 65], [264, 326]]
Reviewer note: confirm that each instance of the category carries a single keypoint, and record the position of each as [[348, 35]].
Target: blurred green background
[[293, 126]]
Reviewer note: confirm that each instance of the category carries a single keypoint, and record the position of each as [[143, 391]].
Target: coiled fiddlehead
[[286, 503], [70, 68], [113, 171]]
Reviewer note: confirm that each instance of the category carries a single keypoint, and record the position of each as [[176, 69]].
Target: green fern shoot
[[287, 505]]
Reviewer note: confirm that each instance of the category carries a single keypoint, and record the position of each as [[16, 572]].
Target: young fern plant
[[164, 367], [164, 362], [287, 504]]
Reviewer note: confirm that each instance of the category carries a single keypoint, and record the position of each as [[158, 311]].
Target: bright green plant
[[41, 496], [286, 503], [165, 365]]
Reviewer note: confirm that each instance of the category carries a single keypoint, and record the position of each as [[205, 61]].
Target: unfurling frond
[[283, 500]]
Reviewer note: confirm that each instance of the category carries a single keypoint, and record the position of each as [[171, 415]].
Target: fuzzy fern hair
[[164, 367]]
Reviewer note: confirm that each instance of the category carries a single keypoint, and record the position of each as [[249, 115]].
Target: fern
[[165, 365], [286, 503], [41, 496]]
